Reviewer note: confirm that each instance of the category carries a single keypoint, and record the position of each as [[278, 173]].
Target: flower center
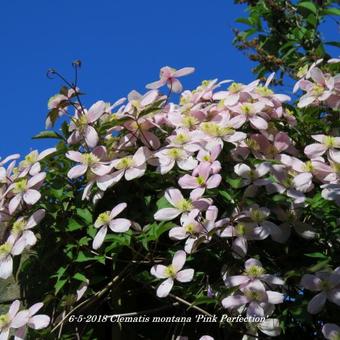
[[184, 205], [235, 87], [124, 163], [264, 91], [4, 321], [247, 109], [329, 141], [257, 215], [254, 271], [89, 159], [18, 226], [317, 90], [104, 217], [170, 271], [213, 129], [240, 229], [175, 153], [20, 186], [5, 249], [254, 295], [189, 228], [189, 121], [82, 120], [200, 180], [181, 138]]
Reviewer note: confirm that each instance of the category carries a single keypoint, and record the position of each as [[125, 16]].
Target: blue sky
[[122, 45]]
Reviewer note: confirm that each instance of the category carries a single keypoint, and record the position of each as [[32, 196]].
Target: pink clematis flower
[[130, 167], [21, 230], [326, 143], [31, 163], [107, 219], [253, 271], [236, 92], [7, 250], [252, 177], [249, 112], [88, 162], [255, 297], [201, 180], [81, 127], [168, 76], [169, 156], [12, 319], [210, 155], [25, 190], [181, 205], [327, 283], [171, 273], [317, 91], [33, 321]]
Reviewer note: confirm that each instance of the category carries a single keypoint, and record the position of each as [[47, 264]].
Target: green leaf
[[85, 214], [235, 183], [73, 225], [47, 134], [82, 257], [59, 285], [80, 277], [331, 11], [308, 5], [333, 43], [317, 255]]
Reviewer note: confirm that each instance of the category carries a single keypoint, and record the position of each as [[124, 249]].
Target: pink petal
[[96, 111], [315, 150], [185, 275], [6, 267], [316, 304], [258, 122], [35, 218], [183, 72], [99, 238], [31, 196], [14, 308], [234, 301], [120, 225], [166, 214], [173, 196], [175, 85], [158, 270], [39, 321], [35, 308], [164, 288], [214, 181], [274, 297], [74, 156], [91, 136], [14, 203], [77, 171], [20, 319], [133, 173], [117, 209], [232, 281], [178, 260]]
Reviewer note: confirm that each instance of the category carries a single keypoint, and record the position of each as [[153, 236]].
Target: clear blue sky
[[121, 43]]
